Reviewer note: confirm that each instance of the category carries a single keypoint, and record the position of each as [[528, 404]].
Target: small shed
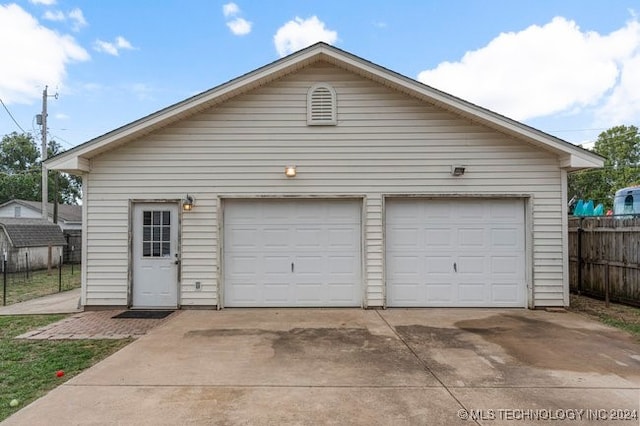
[[26, 243], [69, 220]]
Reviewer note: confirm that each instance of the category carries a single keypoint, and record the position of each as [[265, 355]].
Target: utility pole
[[45, 175]]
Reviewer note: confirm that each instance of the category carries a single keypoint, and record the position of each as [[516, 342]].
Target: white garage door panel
[[455, 252], [302, 253]]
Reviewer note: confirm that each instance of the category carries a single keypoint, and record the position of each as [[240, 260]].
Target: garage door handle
[[292, 267], [455, 267]]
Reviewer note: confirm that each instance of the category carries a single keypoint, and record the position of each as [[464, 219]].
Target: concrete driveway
[[351, 366]]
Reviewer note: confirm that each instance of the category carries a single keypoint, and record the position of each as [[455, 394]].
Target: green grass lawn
[[631, 327], [28, 367], [39, 283], [624, 317]]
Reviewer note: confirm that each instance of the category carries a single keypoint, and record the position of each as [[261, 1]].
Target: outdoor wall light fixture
[[290, 171], [188, 203], [457, 170]]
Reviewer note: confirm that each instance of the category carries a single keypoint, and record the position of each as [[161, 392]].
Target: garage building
[[324, 180]]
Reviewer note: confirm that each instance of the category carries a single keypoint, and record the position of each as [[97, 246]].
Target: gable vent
[[321, 105]]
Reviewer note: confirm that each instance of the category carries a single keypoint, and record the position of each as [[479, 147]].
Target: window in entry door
[[156, 233]]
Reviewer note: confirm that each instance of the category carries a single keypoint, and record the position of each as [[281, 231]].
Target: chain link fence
[[21, 281]]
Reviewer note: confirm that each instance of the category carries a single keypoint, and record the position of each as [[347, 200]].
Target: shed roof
[[77, 160], [32, 232], [66, 212]]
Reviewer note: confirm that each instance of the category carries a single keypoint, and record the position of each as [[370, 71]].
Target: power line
[[579, 130], [58, 138], [11, 115]]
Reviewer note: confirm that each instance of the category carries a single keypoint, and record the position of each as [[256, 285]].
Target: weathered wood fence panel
[[604, 258]]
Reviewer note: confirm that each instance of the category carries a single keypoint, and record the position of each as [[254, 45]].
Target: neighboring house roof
[[66, 212], [32, 232], [77, 160]]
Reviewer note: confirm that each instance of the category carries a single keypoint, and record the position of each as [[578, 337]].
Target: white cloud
[[622, 106], [300, 33], [78, 19], [587, 144], [230, 10], [239, 26], [123, 43], [114, 47], [43, 2], [62, 116], [75, 16], [105, 47], [39, 56], [57, 15], [544, 70]]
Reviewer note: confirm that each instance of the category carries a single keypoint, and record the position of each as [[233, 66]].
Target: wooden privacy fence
[[604, 257]]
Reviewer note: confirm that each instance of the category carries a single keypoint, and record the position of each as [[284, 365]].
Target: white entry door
[[155, 255], [455, 253], [292, 253]]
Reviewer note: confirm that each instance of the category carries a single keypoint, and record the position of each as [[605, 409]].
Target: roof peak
[[66, 212], [77, 159]]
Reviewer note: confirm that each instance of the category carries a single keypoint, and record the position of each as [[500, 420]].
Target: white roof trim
[[77, 159]]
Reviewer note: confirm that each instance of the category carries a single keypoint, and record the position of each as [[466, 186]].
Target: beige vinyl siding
[[384, 143], [373, 253]]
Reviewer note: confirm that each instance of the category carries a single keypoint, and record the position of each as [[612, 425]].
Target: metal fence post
[[59, 273], [4, 278]]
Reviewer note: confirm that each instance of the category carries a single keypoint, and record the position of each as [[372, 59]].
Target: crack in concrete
[[425, 366]]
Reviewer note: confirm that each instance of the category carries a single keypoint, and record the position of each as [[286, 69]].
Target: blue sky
[[568, 67]]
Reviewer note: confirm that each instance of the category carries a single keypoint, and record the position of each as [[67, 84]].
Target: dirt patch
[[548, 345], [627, 317]]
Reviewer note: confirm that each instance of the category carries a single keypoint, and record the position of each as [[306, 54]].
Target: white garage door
[[455, 253], [292, 253]]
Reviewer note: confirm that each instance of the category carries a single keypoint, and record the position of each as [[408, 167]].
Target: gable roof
[[66, 212], [32, 232], [76, 160]]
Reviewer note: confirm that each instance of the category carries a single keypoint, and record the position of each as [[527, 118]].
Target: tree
[[18, 153], [21, 171], [620, 145], [68, 186]]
